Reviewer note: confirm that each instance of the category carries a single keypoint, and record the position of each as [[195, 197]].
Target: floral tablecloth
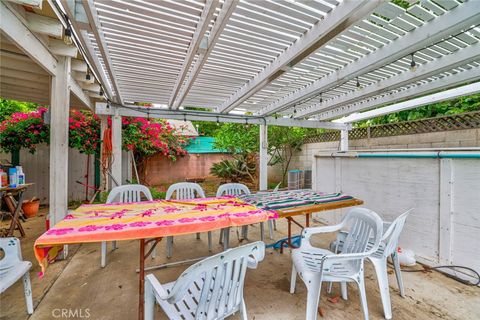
[[142, 220]]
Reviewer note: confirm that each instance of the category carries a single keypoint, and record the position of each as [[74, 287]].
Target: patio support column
[[59, 109], [344, 140], [263, 175], [116, 150]]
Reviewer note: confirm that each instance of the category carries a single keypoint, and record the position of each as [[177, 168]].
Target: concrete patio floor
[[79, 283]]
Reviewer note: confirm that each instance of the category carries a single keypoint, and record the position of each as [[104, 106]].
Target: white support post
[[446, 211], [344, 140], [263, 172], [59, 109], [117, 150]]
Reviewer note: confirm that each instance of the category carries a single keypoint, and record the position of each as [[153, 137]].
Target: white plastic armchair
[[315, 265], [183, 191], [125, 193], [388, 247], [12, 268], [209, 289], [231, 189]]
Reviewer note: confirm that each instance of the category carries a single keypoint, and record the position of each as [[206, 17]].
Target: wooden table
[[307, 211], [14, 207]]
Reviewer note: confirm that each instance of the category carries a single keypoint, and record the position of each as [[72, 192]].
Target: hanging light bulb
[[218, 121], [67, 37], [101, 92], [358, 83], [88, 77], [276, 116], [413, 64], [321, 99], [185, 117]]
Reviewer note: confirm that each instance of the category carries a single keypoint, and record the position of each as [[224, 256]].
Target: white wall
[[445, 225], [36, 168]]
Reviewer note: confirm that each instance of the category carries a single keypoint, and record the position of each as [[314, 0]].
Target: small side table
[[14, 207]]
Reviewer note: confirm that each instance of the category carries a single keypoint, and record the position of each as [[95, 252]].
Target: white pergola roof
[[319, 59]]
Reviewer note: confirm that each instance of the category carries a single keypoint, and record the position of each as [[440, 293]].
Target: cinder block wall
[[444, 139]]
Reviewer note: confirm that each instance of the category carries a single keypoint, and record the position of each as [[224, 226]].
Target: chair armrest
[[307, 232], [157, 287], [252, 263]]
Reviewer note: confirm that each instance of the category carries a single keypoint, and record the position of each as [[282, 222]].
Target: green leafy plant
[[9, 107], [234, 170]]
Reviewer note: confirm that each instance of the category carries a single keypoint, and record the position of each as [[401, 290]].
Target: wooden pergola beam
[[18, 33], [203, 23]]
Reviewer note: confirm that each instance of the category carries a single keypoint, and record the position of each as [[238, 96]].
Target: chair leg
[[149, 301], [363, 295], [245, 232], [398, 273], [382, 278], [209, 234], [169, 246], [243, 311], [274, 225], [114, 245], [154, 252], [220, 239], [262, 231], [270, 229], [198, 235], [27, 288], [293, 279], [103, 259], [226, 238], [343, 287], [313, 297]]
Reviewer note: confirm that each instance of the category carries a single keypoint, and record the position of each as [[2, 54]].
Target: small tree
[[241, 141], [283, 142]]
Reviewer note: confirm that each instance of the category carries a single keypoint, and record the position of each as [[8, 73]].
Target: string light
[[321, 99], [218, 121], [358, 83], [101, 92], [184, 117], [413, 64], [88, 77], [67, 37]]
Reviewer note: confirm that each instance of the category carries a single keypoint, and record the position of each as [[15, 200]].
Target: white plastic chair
[[12, 268], [209, 289], [183, 191], [388, 247], [231, 189], [315, 265], [125, 193], [234, 189]]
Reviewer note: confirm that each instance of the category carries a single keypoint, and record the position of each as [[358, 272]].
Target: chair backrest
[[129, 193], [12, 253], [224, 277], [364, 226], [392, 234], [185, 190], [232, 189]]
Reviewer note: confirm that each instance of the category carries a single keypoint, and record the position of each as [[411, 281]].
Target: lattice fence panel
[[469, 120]]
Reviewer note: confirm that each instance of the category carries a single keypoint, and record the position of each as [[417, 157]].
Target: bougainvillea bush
[[24, 130], [146, 137], [84, 132]]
